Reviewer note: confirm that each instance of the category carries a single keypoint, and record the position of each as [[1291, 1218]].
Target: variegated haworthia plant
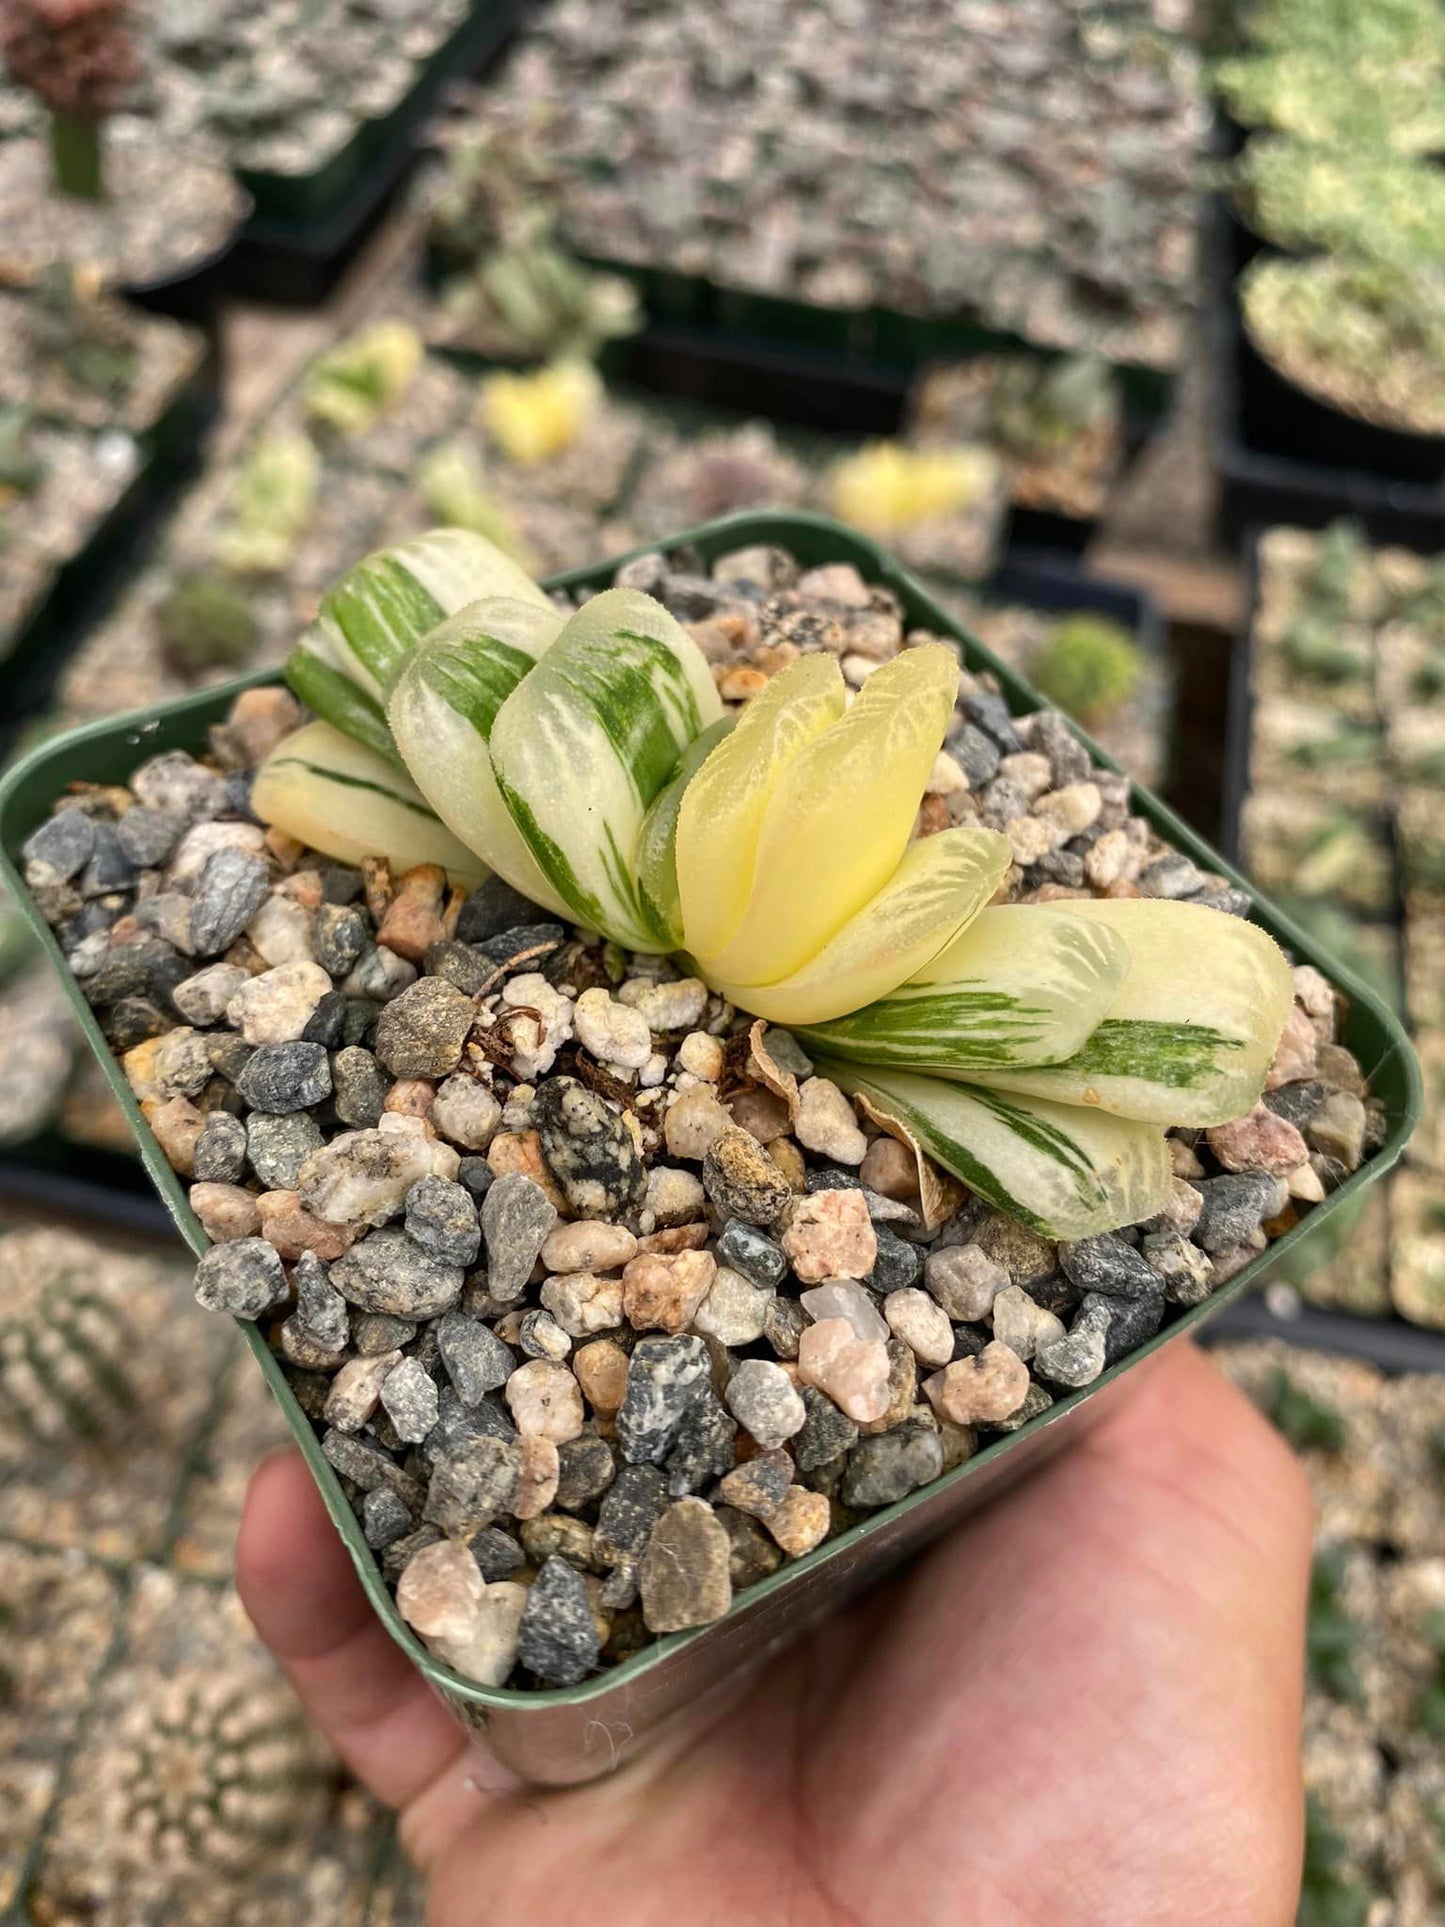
[[1037, 1051]]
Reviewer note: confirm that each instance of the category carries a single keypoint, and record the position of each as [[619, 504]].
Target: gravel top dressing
[[604, 1296]]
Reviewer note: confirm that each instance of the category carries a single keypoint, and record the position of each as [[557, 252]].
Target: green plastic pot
[[559, 1735]]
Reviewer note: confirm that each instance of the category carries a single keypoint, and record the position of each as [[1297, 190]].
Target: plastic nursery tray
[[565, 1735], [170, 454], [1282, 456], [305, 227]]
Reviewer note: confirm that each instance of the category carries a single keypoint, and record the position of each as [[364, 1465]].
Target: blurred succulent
[[364, 377], [454, 488], [1088, 666], [271, 503], [532, 300], [20, 467], [886, 488], [1430, 1707], [1426, 609], [533, 417], [208, 1769], [1340, 554], [67, 1351], [79, 58], [1357, 198], [1329, 1896], [1304, 1421], [1315, 645], [204, 620], [1038, 408], [1331, 1633], [1368, 336], [72, 326], [1327, 98], [496, 190]]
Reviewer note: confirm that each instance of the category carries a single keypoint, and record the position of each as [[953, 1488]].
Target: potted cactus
[[78, 57]]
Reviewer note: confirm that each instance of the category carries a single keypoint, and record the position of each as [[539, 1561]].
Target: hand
[[1081, 1707]]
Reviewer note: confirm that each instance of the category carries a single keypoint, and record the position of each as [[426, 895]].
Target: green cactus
[[1038, 408], [67, 1350], [1332, 1634], [1315, 645], [204, 621], [1368, 202], [1088, 666], [271, 504]]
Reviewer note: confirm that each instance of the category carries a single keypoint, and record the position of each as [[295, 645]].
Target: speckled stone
[[743, 1181], [387, 1272], [422, 1030], [587, 1149], [516, 1217], [665, 1378], [558, 1638]]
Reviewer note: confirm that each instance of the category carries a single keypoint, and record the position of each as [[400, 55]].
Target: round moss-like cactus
[[208, 1769], [67, 1347], [1088, 666], [205, 621]]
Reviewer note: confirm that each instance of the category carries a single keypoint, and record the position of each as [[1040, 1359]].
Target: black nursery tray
[[306, 227]]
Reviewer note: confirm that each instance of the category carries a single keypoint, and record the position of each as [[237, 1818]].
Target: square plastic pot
[[560, 1735]]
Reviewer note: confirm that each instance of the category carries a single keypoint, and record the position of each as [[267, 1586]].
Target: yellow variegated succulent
[[1039, 1052]]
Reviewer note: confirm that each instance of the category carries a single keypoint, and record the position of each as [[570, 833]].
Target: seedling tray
[[306, 227], [560, 1735]]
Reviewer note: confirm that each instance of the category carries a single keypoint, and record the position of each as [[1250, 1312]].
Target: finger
[[301, 1591]]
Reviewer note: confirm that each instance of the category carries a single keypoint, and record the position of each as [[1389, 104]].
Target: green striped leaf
[[1023, 984], [584, 744], [337, 700], [381, 608], [942, 882], [1190, 1034], [337, 796], [442, 710], [1063, 1172]]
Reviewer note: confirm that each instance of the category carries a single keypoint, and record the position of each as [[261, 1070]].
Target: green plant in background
[[1088, 666], [1329, 1896], [497, 186], [68, 1356], [1365, 201], [454, 488], [271, 504], [886, 488], [1430, 1707], [204, 620], [74, 328], [20, 467], [1332, 1635], [1338, 98], [1038, 408], [1304, 1421], [1339, 556], [363, 378], [78, 57]]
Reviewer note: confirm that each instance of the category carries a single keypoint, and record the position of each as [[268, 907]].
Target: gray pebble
[[1298, 1102], [232, 888], [220, 1154], [704, 1447], [884, 1469], [977, 755], [587, 1468], [1079, 1358], [666, 1377], [990, 713], [476, 1360], [497, 1553], [1236, 1206], [358, 1088], [492, 908], [149, 836], [339, 934], [383, 1518], [442, 1218], [516, 1216], [387, 1272], [409, 1396], [588, 1149], [282, 1078], [540, 1336], [1107, 1264], [1132, 1321], [320, 1308], [1036, 1400], [174, 780], [400, 1553], [557, 1639], [827, 1433], [244, 1277], [630, 1507], [752, 1252], [1051, 736], [1172, 876], [374, 1332], [327, 1023], [421, 1032], [110, 869], [204, 997], [59, 849], [899, 1264], [471, 1483], [461, 966], [279, 1146], [369, 1467], [784, 1323]]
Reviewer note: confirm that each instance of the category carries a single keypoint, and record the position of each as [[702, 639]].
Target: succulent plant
[[497, 189], [363, 377], [20, 467], [533, 417], [271, 504], [1330, 98], [67, 1352], [532, 300], [74, 327], [1329, 1896], [204, 620], [78, 57], [1332, 1634], [1036, 1051], [453, 485], [886, 488], [1430, 1707], [1088, 666], [1366, 335], [1037, 407], [1366, 201]]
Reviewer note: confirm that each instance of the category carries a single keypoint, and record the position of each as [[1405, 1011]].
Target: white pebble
[[612, 1032]]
